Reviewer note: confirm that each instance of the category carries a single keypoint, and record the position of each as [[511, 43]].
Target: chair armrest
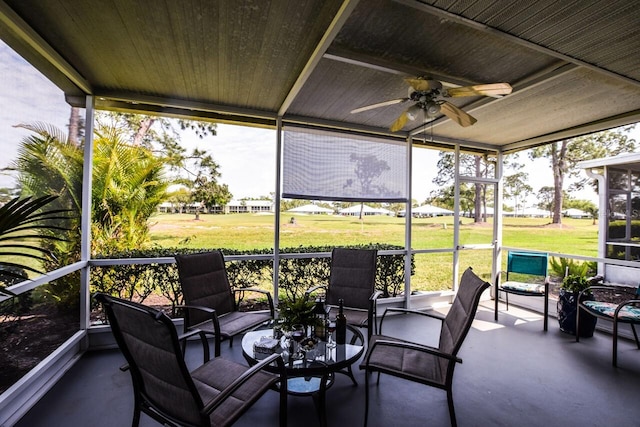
[[375, 295], [231, 388], [411, 346], [212, 311], [434, 315], [198, 307], [262, 291], [606, 288], [315, 288], [622, 305]]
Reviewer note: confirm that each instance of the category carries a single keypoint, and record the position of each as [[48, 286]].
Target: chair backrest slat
[[352, 277], [458, 320], [204, 282], [528, 263]]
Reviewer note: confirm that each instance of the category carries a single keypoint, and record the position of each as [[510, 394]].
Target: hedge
[[139, 281]]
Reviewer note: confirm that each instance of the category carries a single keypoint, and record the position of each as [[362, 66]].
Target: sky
[[246, 155]]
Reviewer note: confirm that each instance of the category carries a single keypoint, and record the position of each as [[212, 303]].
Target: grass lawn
[[433, 270]]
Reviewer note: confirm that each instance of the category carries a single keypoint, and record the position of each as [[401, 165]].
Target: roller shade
[[322, 165]]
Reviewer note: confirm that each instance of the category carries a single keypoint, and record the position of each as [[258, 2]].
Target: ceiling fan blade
[[379, 104], [456, 114], [421, 85], [400, 122], [493, 89]]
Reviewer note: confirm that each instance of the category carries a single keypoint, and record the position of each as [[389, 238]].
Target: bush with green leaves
[[562, 267], [296, 275]]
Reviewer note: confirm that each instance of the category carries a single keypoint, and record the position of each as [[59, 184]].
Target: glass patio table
[[313, 374]]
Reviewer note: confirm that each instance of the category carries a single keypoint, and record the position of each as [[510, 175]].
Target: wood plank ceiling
[[574, 65]]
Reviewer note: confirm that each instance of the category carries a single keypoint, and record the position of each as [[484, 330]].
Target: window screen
[[322, 165]]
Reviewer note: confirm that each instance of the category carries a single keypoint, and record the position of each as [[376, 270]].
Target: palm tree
[[127, 188], [23, 224]]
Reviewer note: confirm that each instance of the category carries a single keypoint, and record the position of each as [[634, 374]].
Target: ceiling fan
[[429, 96]]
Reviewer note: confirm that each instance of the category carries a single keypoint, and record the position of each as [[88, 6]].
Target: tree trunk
[[478, 197], [361, 210], [142, 130], [74, 126], [558, 154]]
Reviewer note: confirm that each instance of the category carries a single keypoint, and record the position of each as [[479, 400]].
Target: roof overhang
[[312, 62]]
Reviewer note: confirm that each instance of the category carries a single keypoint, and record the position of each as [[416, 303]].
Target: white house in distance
[[366, 210], [311, 209], [576, 213], [426, 211], [234, 206]]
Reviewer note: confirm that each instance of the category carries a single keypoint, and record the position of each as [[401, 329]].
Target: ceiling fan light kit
[[429, 96]]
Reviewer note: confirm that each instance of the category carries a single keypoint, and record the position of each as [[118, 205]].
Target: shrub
[[296, 275]]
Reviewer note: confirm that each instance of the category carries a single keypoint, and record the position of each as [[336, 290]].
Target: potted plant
[[296, 311], [570, 289]]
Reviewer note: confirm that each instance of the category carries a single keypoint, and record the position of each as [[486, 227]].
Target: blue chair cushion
[[531, 288], [628, 313]]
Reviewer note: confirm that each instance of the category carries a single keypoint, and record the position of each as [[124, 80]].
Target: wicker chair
[[420, 363], [215, 394], [210, 305]]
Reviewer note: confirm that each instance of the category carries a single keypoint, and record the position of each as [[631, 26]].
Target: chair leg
[[495, 311], [350, 374], [136, 412], [635, 335], [283, 406], [615, 343], [452, 412], [577, 322], [546, 308], [366, 396], [216, 341]]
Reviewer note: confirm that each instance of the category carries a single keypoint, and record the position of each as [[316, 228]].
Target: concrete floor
[[512, 374]]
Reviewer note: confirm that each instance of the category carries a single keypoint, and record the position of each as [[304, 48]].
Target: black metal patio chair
[[421, 363], [215, 394], [210, 303]]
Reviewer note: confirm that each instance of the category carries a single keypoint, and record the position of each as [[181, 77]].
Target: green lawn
[[433, 271]]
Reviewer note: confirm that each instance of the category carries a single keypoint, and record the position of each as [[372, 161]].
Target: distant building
[[234, 206]]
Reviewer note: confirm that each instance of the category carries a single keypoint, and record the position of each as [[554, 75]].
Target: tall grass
[[433, 271]]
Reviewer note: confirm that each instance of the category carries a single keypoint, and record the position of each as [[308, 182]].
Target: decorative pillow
[[628, 312], [531, 288]]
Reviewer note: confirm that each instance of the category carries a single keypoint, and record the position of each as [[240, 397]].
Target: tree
[[546, 198], [470, 165], [516, 187], [24, 224], [563, 156], [583, 205], [205, 188]]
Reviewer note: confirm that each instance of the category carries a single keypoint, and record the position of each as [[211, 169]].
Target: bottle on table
[[341, 324]]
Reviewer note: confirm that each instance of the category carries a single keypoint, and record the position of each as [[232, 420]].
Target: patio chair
[[210, 304], [215, 394], [352, 278], [619, 304], [421, 363], [533, 265]]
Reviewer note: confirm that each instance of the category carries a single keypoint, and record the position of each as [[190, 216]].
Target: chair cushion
[[354, 317], [233, 323], [212, 377], [417, 365], [530, 288], [627, 313]]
